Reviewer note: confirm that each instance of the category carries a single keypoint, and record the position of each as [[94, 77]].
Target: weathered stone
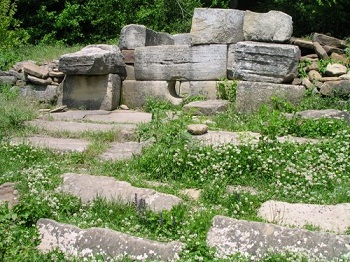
[[340, 58], [136, 93], [7, 80], [109, 244], [251, 96], [181, 62], [274, 26], [197, 129], [93, 60], [217, 26], [130, 72], [89, 187], [45, 94], [297, 81], [205, 89], [345, 76], [59, 144], [192, 193], [8, 194], [313, 66], [133, 36], [123, 151], [333, 218], [329, 78], [332, 49], [34, 70], [124, 107], [121, 116], [182, 39], [128, 56], [230, 236], [321, 53], [325, 113], [306, 47], [336, 88], [207, 107], [265, 62], [335, 70], [56, 74], [328, 40], [39, 81], [92, 92], [314, 75]]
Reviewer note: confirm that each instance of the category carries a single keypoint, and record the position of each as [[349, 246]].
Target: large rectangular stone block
[[135, 93], [250, 96], [181, 62], [92, 92], [264, 62]]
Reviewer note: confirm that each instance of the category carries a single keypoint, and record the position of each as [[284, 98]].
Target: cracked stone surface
[[89, 187], [230, 236], [105, 242], [335, 218]]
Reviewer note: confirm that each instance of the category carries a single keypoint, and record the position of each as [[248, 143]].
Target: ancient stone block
[[182, 39], [180, 62], [135, 93], [92, 92], [274, 26], [217, 26], [328, 40], [264, 62], [206, 107], [93, 60], [251, 96], [130, 72], [206, 89], [34, 70]]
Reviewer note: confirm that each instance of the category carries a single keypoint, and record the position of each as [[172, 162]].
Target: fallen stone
[[56, 74], [314, 75], [321, 53], [39, 81], [217, 26], [336, 88], [328, 40], [197, 129], [133, 36], [34, 70], [207, 107], [123, 151], [336, 70], [264, 62], [329, 78], [8, 80], [136, 93], [313, 66], [46, 94], [89, 187], [8, 194], [332, 49], [274, 26], [93, 60], [124, 107], [250, 96], [57, 144], [109, 244], [180, 62], [182, 39], [308, 84], [340, 58], [332, 218], [297, 81], [326, 113], [205, 89], [230, 236]]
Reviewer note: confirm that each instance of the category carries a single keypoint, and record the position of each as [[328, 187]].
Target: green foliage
[[226, 89], [302, 68]]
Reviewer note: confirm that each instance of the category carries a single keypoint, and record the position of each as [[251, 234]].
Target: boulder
[[92, 92], [264, 62], [336, 70], [217, 26], [205, 89], [135, 93], [180, 62], [230, 236], [207, 107], [251, 96], [93, 60], [133, 36], [274, 26], [328, 40], [339, 88]]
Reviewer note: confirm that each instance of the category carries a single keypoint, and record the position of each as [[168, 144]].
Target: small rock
[[307, 83], [338, 57], [322, 54], [336, 70], [59, 109], [313, 66], [314, 75], [297, 81], [124, 107], [197, 129], [329, 78], [192, 193], [39, 81]]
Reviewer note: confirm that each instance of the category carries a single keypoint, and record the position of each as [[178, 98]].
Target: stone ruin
[[255, 48]]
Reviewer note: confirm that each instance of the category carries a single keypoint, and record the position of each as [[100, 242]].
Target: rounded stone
[[197, 129]]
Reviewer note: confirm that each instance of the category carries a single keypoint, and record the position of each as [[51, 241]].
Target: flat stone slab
[[76, 114], [8, 194], [230, 236], [326, 113], [335, 218], [102, 241], [88, 187], [123, 151], [206, 107], [59, 144]]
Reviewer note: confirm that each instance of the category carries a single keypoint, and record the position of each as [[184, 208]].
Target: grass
[[307, 173]]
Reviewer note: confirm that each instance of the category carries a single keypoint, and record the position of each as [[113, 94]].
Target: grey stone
[[45, 94], [111, 245], [92, 92], [123, 151], [307, 83], [57, 144], [217, 26], [336, 70], [133, 36], [336, 88], [325, 113], [197, 129], [136, 93], [130, 72], [207, 107], [180, 62], [182, 39], [94, 60], [8, 194], [56, 74], [230, 236], [332, 218], [39, 81], [128, 56], [34, 70], [265, 62], [251, 96], [329, 78], [7, 80], [303, 44], [72, 115], [89, 187], [322, 54], [121, 116], [328, 40], [215, 138], [333, 50], [339, 58], [314, 75], [274, 26], [345, 76], [205, 89]]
